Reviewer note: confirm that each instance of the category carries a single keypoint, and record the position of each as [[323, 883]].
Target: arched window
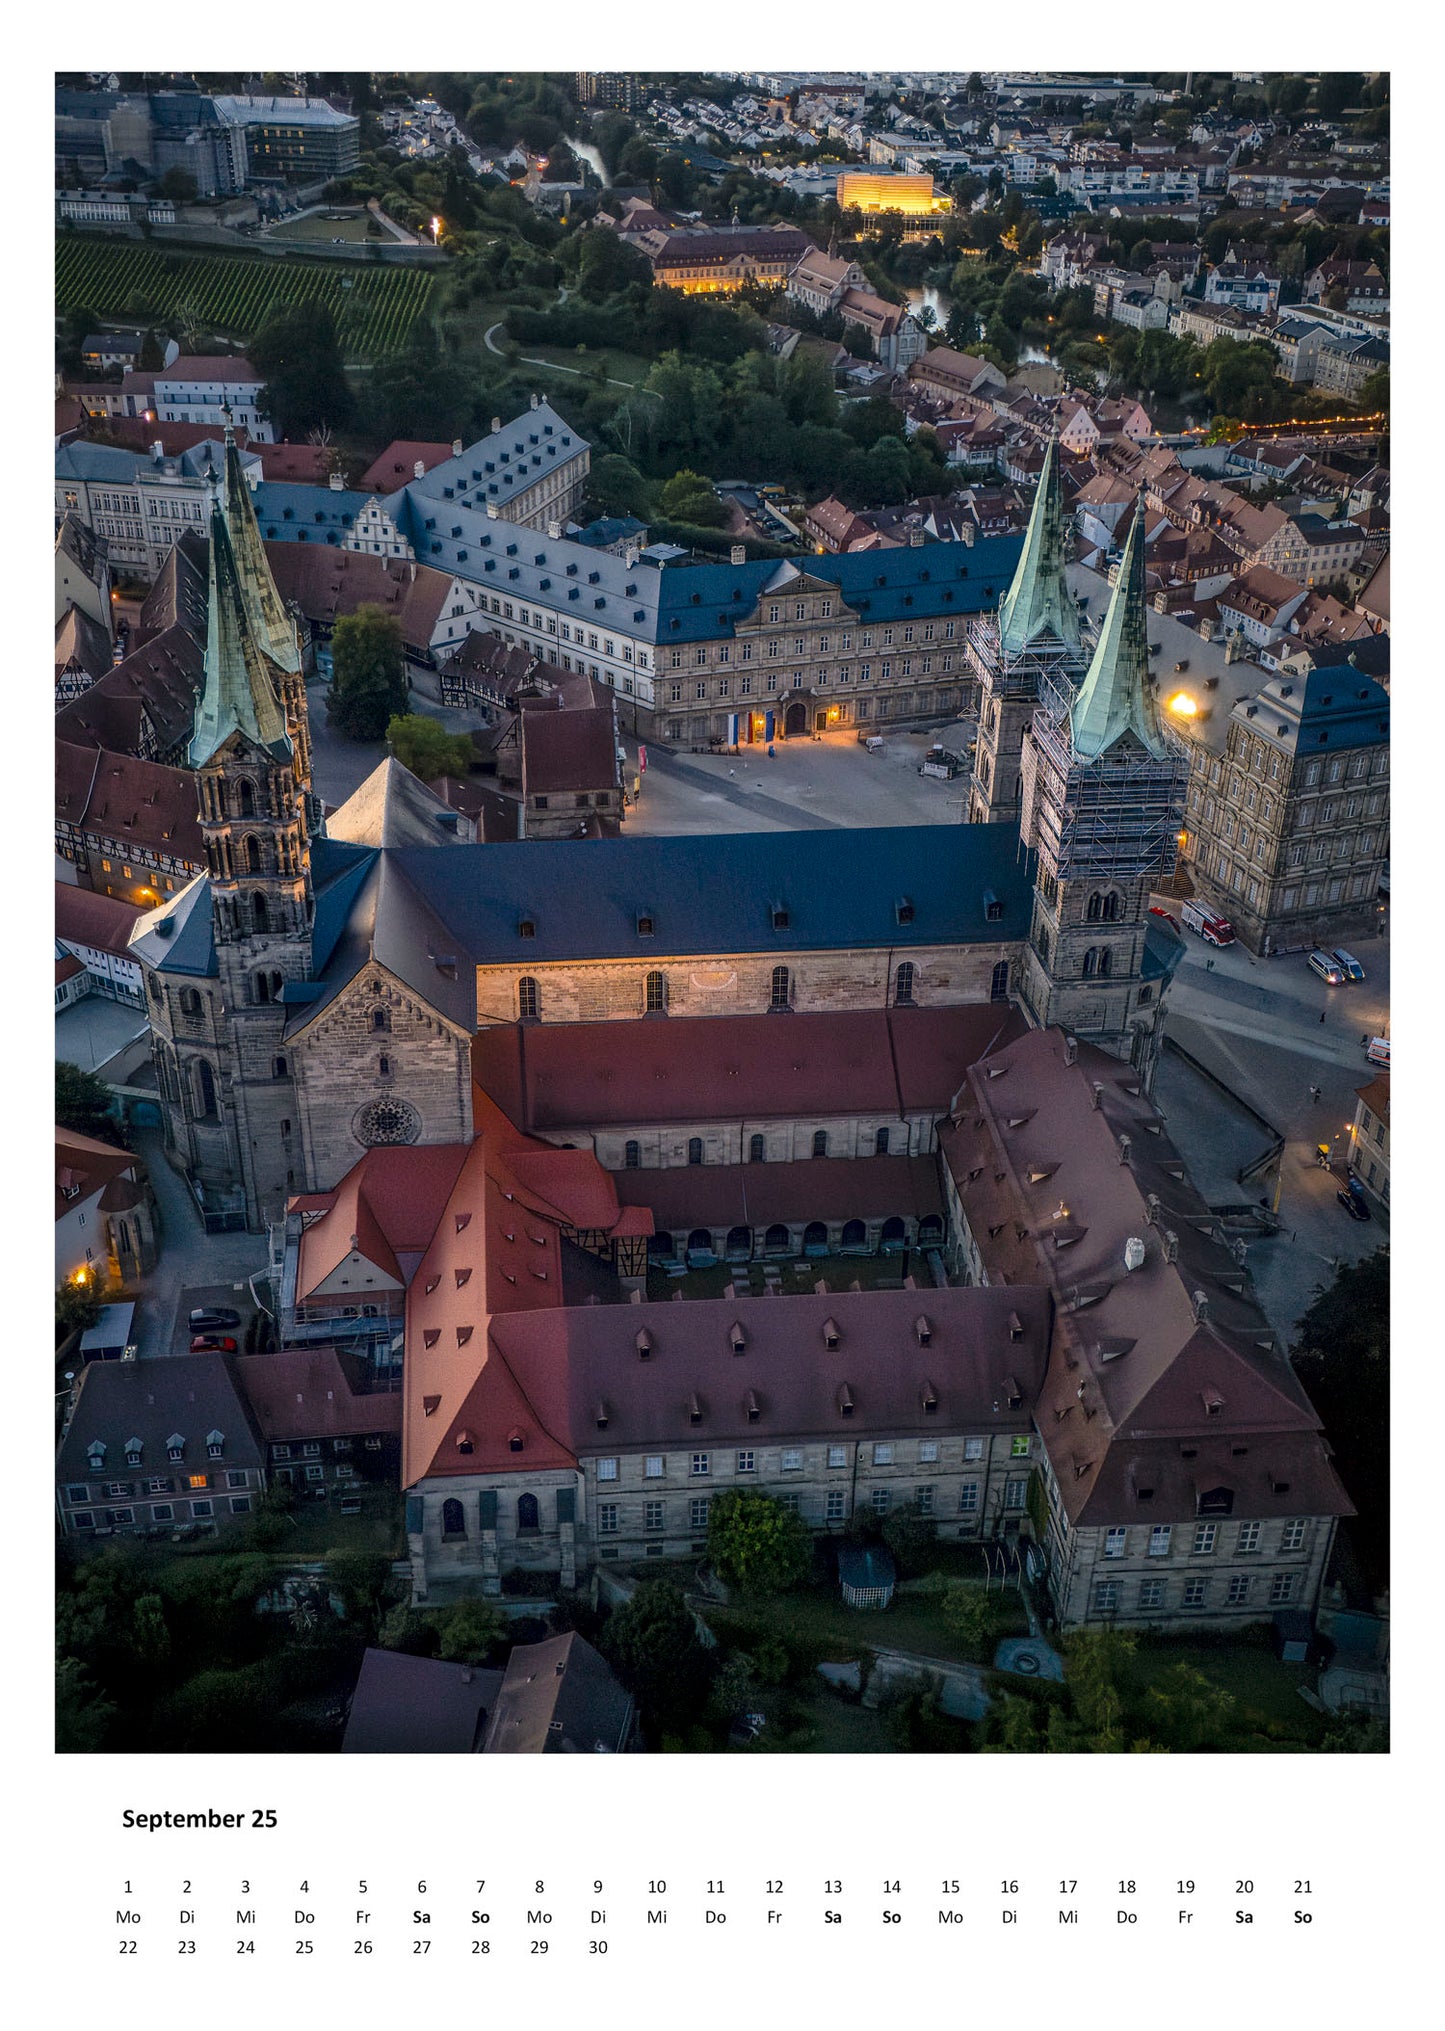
[[278, 1068], [699, 1242], [655, 994], [781, 995], [777, 1239], [880, 1143], [268, 986], [529, 1517], [1111, 907], [694, 1149], [250, 854], [1091, 962], [454, 1520], [1106, 961], [260, 915], [815, 1238], [632, 1156], [998, 988], [854, 1234], [757, 1149], [903, 985], [894, 1234], [529, 1001], [1146, 995], [739, 1243], [380, 1019], [1095, 907], [820, 1142], [205, 1090], [246, 798], [930, 1231], [190, 1003], [383, 1066]]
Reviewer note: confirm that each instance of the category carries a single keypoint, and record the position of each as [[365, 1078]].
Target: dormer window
[[215, 1445], [903, 909], [132, 1452], [175, 1447], [644, 924], [781, 916], [527, 927]]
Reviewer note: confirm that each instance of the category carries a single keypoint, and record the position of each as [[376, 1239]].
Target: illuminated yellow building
[[871, 190]]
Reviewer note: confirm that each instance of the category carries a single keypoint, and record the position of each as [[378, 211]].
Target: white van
[[1348, 964], [1327, 967], [1378, 1051]]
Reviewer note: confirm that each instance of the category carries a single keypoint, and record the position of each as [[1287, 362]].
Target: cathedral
[[317, 991], [491, 1100]]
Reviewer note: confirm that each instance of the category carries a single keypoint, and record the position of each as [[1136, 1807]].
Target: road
[[556, 367], [1256, 1025]]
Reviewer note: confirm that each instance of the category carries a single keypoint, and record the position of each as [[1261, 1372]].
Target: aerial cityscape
[[722, 943]]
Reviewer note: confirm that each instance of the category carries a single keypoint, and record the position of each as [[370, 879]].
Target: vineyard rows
[[374, 307]]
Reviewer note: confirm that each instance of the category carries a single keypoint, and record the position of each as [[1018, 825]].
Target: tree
[[298, 356], [152, 353], [689, 497], [82, 1712], [473, 1633], [972, 1614], [420, 393], [363, 1580], [369, 684], [911, 1537], [1091, 1670], [77, 1307], [651, 1641], [423, 745], [755, 1543], [1189, 1711], [179, 186], [616, 487], [83, 1102]]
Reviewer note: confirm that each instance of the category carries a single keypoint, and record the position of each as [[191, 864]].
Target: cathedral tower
[[1035, 633], [271, 625], [1103, 799], [254, 822]]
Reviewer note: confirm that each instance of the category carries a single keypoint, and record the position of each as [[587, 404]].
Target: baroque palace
[[492, 1100]]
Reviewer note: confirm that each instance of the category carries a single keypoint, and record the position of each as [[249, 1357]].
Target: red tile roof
[[133, 802], [755, 1195], [81, 1161], [396, 466], [314, 1393], [327, 583], [85, 917], [569, 751]]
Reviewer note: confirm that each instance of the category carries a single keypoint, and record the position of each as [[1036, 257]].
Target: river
[[936, 300]]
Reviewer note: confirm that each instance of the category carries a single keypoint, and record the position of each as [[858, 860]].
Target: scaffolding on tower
[[1116, 817]]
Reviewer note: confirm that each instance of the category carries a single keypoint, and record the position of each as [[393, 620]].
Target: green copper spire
[[1115, 697], [240, 691], [271, 623], [1038, 602]]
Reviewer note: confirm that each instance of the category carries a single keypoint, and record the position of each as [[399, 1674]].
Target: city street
[[194, 1268], [1255, 1024]]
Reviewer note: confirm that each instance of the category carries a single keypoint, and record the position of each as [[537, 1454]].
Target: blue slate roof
[[499, 467], [719, 894], [684, 603]]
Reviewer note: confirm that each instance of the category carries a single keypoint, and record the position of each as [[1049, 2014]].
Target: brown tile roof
[[81, 1161], [1376, 1097], [558, 1698], [1058, 1166], [387, 1207], [81, 643], [632, 1072], [755, 1195], [569, 750], [85, 917], [133, 802], [205, 367], [418, 1706], [314, 1393], [157, 682], [327, 583], [396, 466]]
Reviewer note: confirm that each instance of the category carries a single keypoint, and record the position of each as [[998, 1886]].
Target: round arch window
[[386, 1121]]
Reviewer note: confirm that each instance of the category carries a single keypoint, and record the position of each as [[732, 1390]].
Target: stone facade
[[377, 1046], [741, 983], [641, 1505]]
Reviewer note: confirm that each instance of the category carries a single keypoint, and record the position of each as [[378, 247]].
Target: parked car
[[210, 1318], [1354, 1205], [1327, 967], [1377, 1051], [213, 1343], [1348, 964]]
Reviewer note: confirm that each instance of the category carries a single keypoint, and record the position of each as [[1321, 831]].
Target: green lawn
[[814, 1620], [319, 226], [1268, 1707]]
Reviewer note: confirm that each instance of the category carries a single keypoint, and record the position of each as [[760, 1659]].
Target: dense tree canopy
[[369, 683]]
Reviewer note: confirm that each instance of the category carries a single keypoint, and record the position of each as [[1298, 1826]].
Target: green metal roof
[[1038, 602], [1115, 699]]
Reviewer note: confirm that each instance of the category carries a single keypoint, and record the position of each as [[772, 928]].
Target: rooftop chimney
[[1098, 1093], [1200, 1304], [419, 468], [496, 425], [1134, 1253], [1171, 1245], [1126, 1143], [915, 538], [336, 483], [456, 447], [536, 401], [1152, 1205], [738, 554], [1071, 1050]]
